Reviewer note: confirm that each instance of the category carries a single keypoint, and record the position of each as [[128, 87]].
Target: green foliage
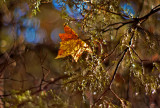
[[46, 99], [97, 26], [92, 76], [36, 5]]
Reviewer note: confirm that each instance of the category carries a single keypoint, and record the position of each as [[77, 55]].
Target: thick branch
[[153, 11], [133, 21], [119, 62]]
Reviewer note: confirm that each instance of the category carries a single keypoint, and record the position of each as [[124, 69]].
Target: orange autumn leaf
[[71, 44]]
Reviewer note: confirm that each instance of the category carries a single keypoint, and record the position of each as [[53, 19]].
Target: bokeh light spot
[[128, 10], [75, 11], [30, 34]]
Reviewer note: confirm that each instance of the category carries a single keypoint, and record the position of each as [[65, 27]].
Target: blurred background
[[29, 43]]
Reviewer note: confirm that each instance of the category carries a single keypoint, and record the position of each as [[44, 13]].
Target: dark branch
[[132, 21], [119, 62]]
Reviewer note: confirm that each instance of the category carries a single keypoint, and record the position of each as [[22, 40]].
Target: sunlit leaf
[[71, 44]]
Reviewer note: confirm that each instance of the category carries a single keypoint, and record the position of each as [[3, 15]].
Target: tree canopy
[[80, 53]]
